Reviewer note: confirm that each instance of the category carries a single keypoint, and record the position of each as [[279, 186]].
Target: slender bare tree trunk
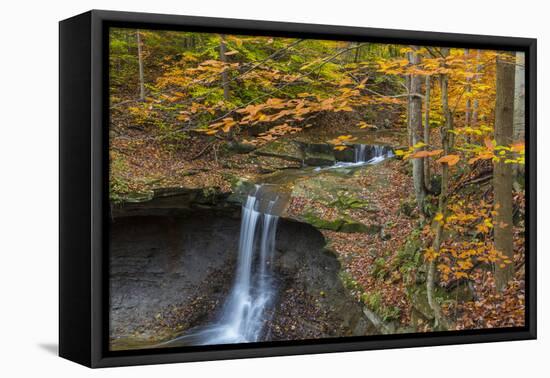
[[476, 101], [417, 131], [357, 50], [408, 86], [129, 47], [440, 321], [225, 76], [467, 90], [140, 64], [519, 108], [409, 128], [428, 85], [519, 98], [502, 174]]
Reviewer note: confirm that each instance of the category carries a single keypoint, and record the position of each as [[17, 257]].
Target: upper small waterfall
[[371, 154], [363, 154], [360, 153]]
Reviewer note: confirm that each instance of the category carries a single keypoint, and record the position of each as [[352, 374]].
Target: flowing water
[[363, 155], [244, 313], [371, 154]]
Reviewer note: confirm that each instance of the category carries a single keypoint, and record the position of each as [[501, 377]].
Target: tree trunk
[[140, 64], [409, 133], [502, 174], [417, 131], [357, 50], [519, 109], [223, 58], [519, 98], [476, 101], [428, 85], [440, 321], [467, 92]]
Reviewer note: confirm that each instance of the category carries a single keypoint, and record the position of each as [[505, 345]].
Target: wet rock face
[[313, 302], [168, 273], [176, 201], [172, 273]]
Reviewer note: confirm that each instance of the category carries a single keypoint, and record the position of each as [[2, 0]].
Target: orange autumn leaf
[[449, 159], [481, 156], [490, 144], [518, 147], [424, 153]]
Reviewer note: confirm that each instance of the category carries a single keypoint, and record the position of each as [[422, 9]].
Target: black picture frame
[[83, 181]]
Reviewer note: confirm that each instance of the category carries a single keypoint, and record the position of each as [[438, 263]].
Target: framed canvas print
[[233, 188]]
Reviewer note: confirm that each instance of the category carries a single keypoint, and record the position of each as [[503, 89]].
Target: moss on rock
[[339, 224]]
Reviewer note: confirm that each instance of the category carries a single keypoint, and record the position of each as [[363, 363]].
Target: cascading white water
[[244, 314], [362, 155]]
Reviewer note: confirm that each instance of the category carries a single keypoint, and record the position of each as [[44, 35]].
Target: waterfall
[[243, 317], [363, 154], [360, 153], [244, 313]]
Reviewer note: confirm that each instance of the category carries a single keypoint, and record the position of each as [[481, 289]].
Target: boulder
[[270, 164], [240, 148], [284, 149], [347, 155], [315, 147], [318, 159]]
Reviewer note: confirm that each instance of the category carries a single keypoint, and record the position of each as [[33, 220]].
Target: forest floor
[[386, 187]]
